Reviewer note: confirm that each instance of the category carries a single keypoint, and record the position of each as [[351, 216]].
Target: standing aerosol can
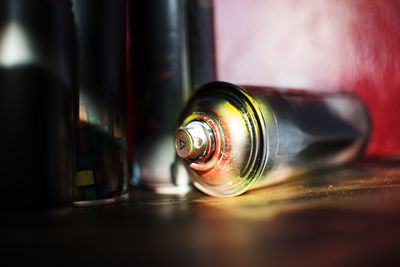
[[171, 54], [101, 165], [234, 139], [37, 93]]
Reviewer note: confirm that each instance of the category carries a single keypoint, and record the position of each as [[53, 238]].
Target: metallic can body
[[200, 36], [159, 75], [266, 135], [101, 164], [37, 87], [172, 53]]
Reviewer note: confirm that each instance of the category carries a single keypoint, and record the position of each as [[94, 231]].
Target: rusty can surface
[[234, 139]]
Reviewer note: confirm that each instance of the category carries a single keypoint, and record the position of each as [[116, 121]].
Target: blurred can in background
[[200, 38], [101, 165], [37, 89], [172, 52], [234, 139]]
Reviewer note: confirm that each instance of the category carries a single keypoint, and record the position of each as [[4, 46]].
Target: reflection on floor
[[349, 216]]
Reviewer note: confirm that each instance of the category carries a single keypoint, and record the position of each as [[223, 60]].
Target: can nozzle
[[192, 141]]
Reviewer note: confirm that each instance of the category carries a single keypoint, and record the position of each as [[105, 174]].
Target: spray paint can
[[201, 59], [160, 84], [172, 53], [37, 87], [233, 139], [200, 38], [101, 165]]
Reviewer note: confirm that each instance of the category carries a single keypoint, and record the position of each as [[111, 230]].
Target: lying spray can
[[234, 139]]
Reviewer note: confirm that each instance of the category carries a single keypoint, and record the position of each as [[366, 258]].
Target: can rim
[[260, 157]]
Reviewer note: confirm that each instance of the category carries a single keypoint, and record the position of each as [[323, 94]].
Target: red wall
[[318, 45]]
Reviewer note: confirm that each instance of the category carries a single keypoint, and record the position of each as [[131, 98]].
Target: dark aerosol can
[[160, 85], [101, 165], [200, 38], [37, 87], [172, 53], [234, 139]]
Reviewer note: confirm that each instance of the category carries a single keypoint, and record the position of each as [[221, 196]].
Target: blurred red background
[[317, 45]]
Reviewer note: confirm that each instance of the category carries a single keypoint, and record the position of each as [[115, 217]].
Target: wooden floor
[[348, 217]]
